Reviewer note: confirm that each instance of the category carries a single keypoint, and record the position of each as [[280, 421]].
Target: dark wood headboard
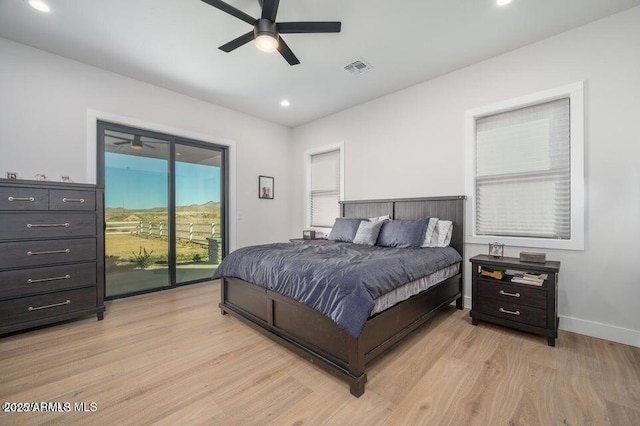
[[445, 208]]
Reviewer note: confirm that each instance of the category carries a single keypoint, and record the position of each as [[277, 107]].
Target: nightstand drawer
[[24, 199], [25, 282], [41, 253], [46, 305], [514, 312], [62, 199], [14, 226], [512, 293]]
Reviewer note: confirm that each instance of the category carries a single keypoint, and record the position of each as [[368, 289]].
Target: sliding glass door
[[164, 209], [198, 212]]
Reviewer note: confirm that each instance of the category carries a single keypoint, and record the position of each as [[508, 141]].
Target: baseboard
[[602, 331]]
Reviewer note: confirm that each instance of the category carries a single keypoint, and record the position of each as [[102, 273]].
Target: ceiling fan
[[266, 31], [136, 143]]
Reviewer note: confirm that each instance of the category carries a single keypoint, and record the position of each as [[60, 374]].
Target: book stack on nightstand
[[520, 295]]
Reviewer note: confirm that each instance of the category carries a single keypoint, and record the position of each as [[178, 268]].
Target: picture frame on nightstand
[[496, 249]]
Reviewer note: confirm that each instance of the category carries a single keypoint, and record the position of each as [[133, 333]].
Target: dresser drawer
[[41, 253], [510, 293], [513, 312], [24, 282], [15, 226], [46, 305], [63, 199], [23, 199]]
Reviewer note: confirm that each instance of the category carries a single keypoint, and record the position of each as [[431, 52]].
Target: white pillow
[[431, 228], [445, 229], [441, 235], [379, 218]]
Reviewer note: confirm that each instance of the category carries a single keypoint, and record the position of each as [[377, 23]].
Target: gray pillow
[[402, 233], [368, 232], [344, 229]]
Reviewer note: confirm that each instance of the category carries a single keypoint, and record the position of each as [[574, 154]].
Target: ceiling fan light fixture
[[503, 2], [266, 42], [265, 35]]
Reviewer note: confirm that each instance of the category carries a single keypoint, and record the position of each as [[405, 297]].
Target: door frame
[[172, 139]]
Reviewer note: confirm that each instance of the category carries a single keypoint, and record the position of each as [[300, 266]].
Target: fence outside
[[187, 231]]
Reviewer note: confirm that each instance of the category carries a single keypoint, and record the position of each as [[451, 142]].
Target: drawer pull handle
[[30, 199], [41, 280], [47, 225], [504, 311], [73, 200], [36, 253], [53, 305], [504, 293]]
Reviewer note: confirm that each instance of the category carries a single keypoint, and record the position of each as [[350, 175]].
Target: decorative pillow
[[379, 218], [445, 229], [402, 233], [431, 229], [344, 229], [368, 232], [441, 235]]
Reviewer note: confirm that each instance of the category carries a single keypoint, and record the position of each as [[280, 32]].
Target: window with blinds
[[523, 172], [325, 188]]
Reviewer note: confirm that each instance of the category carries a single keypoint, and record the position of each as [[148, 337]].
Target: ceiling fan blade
[[146, 145], [122, 143], [308, 27], [234, 44], [231, 10], [286, 53], [270, 9]]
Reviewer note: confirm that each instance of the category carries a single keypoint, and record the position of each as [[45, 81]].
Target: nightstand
[[523, 307]]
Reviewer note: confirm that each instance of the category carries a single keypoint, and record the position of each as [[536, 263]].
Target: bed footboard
[[319, 340]]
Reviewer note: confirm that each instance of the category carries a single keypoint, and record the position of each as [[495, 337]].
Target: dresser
[[51, 253], [521, 306]]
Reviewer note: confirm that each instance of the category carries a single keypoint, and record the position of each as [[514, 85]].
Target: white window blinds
[[325, 188], [523, 176]]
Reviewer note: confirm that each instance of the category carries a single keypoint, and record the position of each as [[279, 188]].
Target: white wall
[[47, 103], [394, 146]]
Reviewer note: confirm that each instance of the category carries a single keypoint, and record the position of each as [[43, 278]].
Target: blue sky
[[141, 183]]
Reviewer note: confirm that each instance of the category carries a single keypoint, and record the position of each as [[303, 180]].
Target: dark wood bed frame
[[321, 341]]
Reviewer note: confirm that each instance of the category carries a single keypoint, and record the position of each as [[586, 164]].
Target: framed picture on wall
[[265, 187]]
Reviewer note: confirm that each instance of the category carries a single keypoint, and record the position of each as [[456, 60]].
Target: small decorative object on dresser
[[524, 296], [496, 249], [530, 256], [12, 175], [41, 177], [52, 245], [265, 187]]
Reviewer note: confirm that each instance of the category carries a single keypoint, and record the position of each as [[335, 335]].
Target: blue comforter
[[341, 280]]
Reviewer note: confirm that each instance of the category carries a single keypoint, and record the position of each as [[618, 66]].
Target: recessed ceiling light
[[503, 2], [285, 103], [40, 5]]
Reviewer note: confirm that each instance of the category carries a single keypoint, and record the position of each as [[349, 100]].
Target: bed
[[318, 338]]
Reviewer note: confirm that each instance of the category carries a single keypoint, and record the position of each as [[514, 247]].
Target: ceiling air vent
[[358, 67]]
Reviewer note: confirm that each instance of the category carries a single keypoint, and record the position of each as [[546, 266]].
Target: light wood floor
[[171, 358]]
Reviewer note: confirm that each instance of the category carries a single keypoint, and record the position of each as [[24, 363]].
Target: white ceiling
[[174, 44]]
